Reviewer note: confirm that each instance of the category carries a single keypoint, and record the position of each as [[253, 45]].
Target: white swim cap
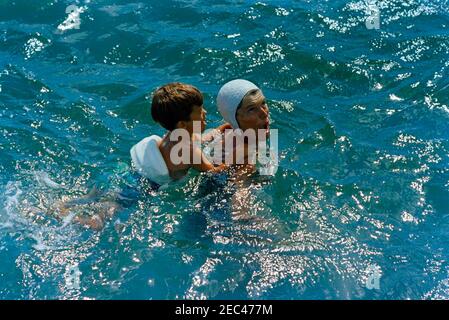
[[229, 98]]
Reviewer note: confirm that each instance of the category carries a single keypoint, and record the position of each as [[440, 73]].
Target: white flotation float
[[148, 160]]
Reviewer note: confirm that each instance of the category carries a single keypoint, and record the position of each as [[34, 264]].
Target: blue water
[[363, 184]]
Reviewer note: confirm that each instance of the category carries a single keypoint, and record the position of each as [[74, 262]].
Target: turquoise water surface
[[363, 182]]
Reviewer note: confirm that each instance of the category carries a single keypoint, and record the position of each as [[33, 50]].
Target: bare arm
[[219, 130], [204, 164]]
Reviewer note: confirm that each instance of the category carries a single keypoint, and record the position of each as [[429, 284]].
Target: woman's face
[[253, 113]]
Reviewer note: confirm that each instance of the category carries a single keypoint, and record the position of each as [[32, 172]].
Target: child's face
[[198, 114]]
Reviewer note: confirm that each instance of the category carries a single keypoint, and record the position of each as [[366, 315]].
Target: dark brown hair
[[174, 102]]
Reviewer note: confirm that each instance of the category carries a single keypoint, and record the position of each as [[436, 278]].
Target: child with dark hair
[[177, 107]]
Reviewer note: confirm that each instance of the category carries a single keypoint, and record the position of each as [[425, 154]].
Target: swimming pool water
[[363, 182]]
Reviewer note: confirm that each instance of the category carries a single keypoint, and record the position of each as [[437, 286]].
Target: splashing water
[[357, 209]]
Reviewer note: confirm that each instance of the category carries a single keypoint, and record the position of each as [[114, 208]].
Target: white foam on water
[[40, 245], [73, 20], [68, 219], [12, 194], [15, 202], [394, 97], [44, 179]]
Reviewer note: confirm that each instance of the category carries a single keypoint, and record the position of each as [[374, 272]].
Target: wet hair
[[251, 93], [174, 102]]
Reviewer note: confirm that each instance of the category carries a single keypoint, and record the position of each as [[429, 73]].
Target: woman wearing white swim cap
[[243, 105]]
